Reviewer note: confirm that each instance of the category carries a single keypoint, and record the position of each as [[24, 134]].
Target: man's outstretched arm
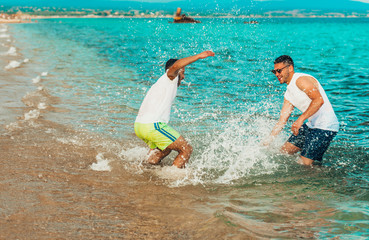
[[181, 63]]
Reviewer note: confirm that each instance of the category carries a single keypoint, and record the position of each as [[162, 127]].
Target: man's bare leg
[[305, 161], [184, 150], [156, 155], [289, 148]]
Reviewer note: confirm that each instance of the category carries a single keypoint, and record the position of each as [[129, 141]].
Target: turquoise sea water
[[101, 68]]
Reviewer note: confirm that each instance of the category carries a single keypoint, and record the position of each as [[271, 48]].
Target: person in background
[[151, 124], [305, 93]]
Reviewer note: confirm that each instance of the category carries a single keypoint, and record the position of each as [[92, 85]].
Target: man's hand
[[296, 126], [206, 54]]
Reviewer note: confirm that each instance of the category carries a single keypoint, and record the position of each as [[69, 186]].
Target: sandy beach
[[11, 21]]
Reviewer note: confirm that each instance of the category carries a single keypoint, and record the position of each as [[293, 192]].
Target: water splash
[[102, 163], [235, 151]]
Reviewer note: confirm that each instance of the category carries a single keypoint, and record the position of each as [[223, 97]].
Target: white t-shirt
[[158, 101], [324, 118]]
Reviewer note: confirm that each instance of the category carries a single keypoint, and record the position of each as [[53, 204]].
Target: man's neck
[[289, 79]]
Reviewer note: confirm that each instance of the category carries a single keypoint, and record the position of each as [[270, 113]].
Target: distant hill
[[201, 6]]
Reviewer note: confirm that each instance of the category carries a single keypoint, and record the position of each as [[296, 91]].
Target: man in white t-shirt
[[305, 93], [151, 122]]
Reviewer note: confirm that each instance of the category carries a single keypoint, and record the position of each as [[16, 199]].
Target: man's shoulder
[[303, 77], [298, 75], [164, 77]]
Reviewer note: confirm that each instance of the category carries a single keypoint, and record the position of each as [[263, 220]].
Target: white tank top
[[158, 101], [324, 118]]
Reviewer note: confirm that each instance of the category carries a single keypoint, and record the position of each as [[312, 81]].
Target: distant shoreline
[[34, 18], [2, 21]]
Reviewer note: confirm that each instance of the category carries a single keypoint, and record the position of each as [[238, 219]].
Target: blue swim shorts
[[313, 142]]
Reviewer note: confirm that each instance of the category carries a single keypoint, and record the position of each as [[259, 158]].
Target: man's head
[[181, 72], [283, 68], [287, 60], [170, 63]]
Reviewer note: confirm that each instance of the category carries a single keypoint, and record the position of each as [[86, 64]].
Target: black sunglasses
[[274, 71]]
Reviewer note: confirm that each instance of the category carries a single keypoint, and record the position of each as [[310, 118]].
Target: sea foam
[[33, 114], [3, 35], [36, 79], [12, 64], [11, 52], [172, 173], [135, 154], [102, 164], [42, 105]]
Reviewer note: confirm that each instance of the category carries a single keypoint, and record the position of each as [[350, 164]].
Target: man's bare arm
[[181, 63], [309, 86]]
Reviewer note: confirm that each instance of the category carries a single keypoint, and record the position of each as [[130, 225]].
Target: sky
[[193, 5]]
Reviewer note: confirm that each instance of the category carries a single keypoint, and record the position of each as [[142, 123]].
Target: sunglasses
[[274, 71]]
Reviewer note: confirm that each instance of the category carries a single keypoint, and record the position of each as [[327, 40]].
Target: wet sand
[[49, 191]]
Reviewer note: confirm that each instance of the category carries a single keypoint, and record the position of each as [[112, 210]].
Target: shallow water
[[91, 75]]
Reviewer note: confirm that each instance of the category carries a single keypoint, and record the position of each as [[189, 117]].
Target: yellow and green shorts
[[156, 135]]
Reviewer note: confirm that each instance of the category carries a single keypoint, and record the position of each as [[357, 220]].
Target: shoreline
[[33, 19], [2, 21]]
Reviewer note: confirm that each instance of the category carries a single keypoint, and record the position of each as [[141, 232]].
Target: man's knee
[[185, 147], [188, 149], [306, 161], [156, 155], [289, 148], [180, 145]]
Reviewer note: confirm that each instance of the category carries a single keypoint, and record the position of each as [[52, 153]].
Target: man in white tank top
[[306, 94], [151, 122]]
